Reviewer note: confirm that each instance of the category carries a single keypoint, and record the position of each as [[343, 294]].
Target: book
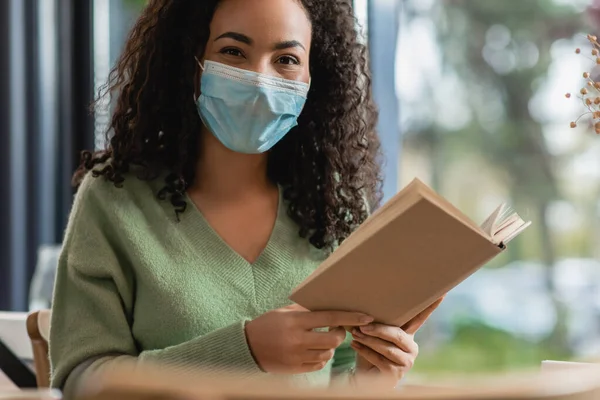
[[405, 256]]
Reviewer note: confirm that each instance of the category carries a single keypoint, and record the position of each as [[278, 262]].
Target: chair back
[[38, 329]]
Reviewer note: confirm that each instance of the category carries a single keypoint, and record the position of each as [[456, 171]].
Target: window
[[112, 21], [484, 119]]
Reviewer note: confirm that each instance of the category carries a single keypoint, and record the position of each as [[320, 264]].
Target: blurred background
[[472, 102]]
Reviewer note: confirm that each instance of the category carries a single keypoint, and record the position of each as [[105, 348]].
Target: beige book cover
[[409, 253]]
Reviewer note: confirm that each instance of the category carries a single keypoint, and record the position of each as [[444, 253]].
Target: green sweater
[[132, 281]]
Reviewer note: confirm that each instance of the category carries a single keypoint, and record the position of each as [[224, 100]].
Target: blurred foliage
[[478, 348], [135, 4], [507, 144]]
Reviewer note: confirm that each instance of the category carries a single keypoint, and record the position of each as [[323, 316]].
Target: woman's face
[[272, 37]]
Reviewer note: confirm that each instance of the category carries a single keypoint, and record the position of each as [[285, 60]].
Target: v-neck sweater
[[135, 282]]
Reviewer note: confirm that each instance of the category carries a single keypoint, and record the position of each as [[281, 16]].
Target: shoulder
[[106, 219], [97, 188], [99, 199], [95, 184]]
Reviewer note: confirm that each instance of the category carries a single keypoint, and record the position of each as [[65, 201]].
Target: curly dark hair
[[328, 164]]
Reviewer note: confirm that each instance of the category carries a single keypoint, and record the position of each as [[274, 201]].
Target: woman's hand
[[284, 340], [386, 353]]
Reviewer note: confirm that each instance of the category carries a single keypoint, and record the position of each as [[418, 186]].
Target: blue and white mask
[[247, 111]]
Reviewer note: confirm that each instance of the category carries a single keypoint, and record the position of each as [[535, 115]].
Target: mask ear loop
[[199, 63], [201, 67]]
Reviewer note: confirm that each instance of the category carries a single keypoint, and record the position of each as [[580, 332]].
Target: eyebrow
[[288, 44], [240, 37]]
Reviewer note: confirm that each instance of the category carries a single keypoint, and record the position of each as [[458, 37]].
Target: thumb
[[412, 326]]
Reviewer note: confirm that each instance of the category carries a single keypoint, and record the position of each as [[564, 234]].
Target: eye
[[288, 60], [232, 51]]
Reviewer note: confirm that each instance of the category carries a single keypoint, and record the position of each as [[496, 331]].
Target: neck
[[223, 173]]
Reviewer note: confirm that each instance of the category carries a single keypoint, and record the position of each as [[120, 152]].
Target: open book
[[409, 253], [503, 225]]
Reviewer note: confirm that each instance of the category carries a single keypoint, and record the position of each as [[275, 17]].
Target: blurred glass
[[42, 282], [484, 119], [112, 21]]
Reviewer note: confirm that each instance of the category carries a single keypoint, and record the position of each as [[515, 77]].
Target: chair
[[38, 329]]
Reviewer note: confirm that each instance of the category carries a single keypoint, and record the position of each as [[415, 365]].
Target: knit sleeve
[[92, 311]]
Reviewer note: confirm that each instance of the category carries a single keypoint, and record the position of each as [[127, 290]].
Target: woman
[[242, 151]]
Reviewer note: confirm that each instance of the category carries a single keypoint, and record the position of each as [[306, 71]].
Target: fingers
[[312, 367], [391, 334], [412, 326], [388, 350], [322, 319], [302, 368], [381, 362], [318, 356], [308, 360], [324, 340], [311, 360]]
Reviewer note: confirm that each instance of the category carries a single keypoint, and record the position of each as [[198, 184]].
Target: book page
[[516, 233], [511, 220], [508, 228], [488, 225]]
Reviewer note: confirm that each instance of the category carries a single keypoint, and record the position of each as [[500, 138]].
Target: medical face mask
[[247, 111]]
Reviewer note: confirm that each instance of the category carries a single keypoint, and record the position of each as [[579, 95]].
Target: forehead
[[271, 20]]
